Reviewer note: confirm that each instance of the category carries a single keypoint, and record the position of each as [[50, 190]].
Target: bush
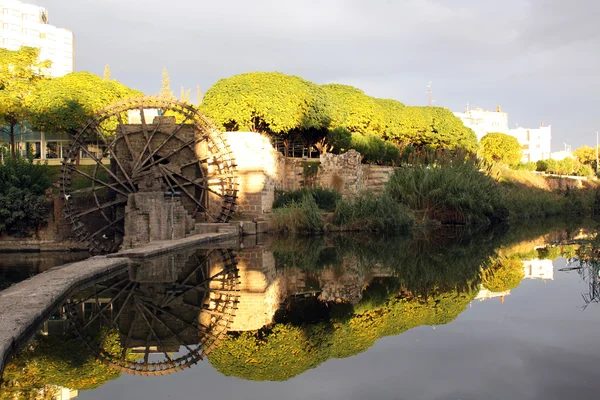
[[326, 199], [302, 216], [374, 150], [368, 211], [585, 170], [542, 165], [440, 193], [23, 204], [339, 139], [529, 166]]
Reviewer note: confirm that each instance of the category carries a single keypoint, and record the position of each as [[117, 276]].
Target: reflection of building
[[483, 121], [63, 393], [535, 142], [538, 269], [485, 294], [27, 25]]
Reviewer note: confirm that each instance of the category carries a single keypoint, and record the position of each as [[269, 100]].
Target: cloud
[[530, 56]]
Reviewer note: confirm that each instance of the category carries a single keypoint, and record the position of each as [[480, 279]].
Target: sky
[[537, 59]]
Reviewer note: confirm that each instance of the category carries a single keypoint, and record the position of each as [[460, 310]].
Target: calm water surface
[[16, 267], [494, 315]]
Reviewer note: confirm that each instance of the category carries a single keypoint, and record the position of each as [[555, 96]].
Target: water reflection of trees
[[422, 279], [160, 316], [587, 264]]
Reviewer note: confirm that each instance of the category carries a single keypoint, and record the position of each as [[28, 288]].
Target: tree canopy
[[20, 73], [586, 155], [63, 104], [268, 102], [352, 109], [284, 105], [499, 147]]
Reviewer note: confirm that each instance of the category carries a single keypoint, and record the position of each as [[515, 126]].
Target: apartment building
[[27, 25]]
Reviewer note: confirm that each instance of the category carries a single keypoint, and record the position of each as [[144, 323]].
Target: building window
[[33, 149], [53, 150]]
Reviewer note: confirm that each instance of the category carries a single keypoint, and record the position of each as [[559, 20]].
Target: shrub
[[326, 199], [542, 165], [302, 216], [339, 139], [368, 211], [374, 150], [23, 204], [585, 170], [529, 166], [435, 192]]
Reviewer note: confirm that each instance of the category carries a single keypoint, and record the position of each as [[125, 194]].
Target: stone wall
[[149, 217], [262, 170]]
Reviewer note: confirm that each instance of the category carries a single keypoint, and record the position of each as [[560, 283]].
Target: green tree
[[432, 127], [337, 140], [64, 104], [391, 111], [165, 89], [107, 72], [503, 274], [20, 72], [586, 155], [352, 109], [268, 102], [501, 148], [23, 204]]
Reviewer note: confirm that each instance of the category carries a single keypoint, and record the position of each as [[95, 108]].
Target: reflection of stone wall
[[261, 291]]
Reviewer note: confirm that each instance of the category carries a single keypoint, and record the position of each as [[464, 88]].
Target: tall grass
[[326, 199], [302, 216], [458, 191], [368, 211]]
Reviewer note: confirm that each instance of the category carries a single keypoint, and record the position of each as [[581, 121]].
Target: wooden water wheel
[[144, 145], [155, 326]]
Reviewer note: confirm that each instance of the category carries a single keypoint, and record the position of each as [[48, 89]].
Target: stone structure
[[151, 217], [262, 170]]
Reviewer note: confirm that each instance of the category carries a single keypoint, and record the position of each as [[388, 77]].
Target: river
[[441, 314]]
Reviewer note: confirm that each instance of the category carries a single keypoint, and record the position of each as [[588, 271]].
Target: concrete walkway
[[26, 305]]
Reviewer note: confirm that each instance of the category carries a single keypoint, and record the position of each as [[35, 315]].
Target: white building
[[484, 121], [538, 269], [27, 25], [535, 142]]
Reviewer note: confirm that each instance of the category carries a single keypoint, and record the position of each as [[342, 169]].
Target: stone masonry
[[149, 217]]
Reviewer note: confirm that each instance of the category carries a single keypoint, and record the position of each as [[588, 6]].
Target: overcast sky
[[538, 59]]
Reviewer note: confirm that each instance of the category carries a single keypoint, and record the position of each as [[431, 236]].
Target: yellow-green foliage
[[64, 104], [503, 274], [285, 105], [56, 361], [287, 350], [269, 102], [499, 147]]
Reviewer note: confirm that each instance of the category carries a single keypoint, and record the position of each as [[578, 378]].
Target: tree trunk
[[13, 149]]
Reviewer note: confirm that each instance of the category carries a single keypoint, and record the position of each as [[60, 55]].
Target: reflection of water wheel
[[154, 326], [144, 145]]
